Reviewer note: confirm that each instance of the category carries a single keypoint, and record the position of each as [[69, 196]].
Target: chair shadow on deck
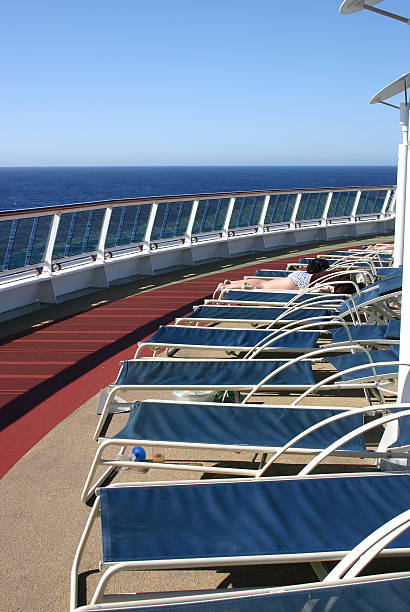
[[290, 469]]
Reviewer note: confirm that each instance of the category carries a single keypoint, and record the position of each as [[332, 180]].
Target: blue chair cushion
[[391, 284], [257, 313], [393, 329], [214, 336], [239, 425], [212, 374], [359, 332], [359, 299], [245, 518], [272, 273], [387, 272], [263, 296], [351, 360]]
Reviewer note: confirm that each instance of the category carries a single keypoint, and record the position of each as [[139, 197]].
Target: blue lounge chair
[[358, 258], [213, 523], [174, 337], [293, 340], [279, 299], [253, 314], [308, 299], [235, 428]]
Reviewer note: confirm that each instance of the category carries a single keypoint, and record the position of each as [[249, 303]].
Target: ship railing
[[54, 253]]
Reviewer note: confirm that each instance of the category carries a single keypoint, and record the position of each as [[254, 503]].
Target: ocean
[[23, 188]]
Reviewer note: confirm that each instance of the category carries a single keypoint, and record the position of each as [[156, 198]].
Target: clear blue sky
[[198, 82]]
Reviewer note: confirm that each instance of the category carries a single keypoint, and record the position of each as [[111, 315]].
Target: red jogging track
[[47, 373]]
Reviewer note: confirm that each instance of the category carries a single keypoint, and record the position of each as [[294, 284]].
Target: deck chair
[[377, 258], [174, 337], [221, 428], [372, 309], [255, 315], [271, 273], [364, 370], [320, 288], [211, 523], [361, 253], [340, 590], [279, 299], [288, 339], [307, 299]]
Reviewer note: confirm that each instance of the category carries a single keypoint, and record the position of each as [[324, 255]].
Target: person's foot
[[218, 291]]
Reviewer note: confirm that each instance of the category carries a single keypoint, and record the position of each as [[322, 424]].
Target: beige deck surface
[[42, 518]]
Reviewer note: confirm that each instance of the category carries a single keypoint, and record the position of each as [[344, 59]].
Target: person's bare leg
[[280, 283], [257, 283]]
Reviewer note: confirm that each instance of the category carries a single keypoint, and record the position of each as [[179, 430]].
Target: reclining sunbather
[[297, 280]]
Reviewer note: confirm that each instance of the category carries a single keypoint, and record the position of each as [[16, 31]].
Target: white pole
[[404, 371], [399, 227]]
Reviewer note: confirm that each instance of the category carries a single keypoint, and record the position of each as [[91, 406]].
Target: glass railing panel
[[390, 201], [342, 204], [78, 232], [26, 242], [247, 211], [5, 233], [371, 202], [93, 230], [62, 242], [128, 225], [280, 208], [20, 236], [311, 206], [171, 219], [210, 215], [84, 231], [41, 232]]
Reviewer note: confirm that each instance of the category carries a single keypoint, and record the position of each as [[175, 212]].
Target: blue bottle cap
[[139, 453]]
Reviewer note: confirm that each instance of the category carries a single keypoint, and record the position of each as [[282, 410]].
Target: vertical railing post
[[48, 253], [327, 207], [264, 212], [385, 203], [355, 205], [10, 243], [103, 234], [392, 205], [295, 210], [191, 220], [229, 212], [150, 225]]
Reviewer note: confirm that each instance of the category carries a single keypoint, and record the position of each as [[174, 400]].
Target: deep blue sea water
[[22, 188]]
